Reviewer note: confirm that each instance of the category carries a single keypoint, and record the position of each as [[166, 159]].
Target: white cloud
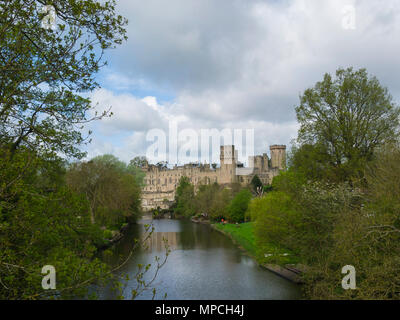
[[129, 112], [239, 64]]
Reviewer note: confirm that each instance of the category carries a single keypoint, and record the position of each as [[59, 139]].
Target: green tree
[[238, 206], [43, 72], [256, 183], [274, 217], [213, 200], [139, 162], [111, 191], [136, 166], [219, 205], [184, 198], [312, 161], [366, 236], [347, 117], [45, 78], [42, 222]]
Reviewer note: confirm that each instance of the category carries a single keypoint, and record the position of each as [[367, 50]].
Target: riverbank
[[270, 257], [111, 236]]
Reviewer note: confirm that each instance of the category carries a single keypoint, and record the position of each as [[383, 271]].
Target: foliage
[[45, 78], [301, 217], [135, 167], [41, 223], [312, 161], [212, 200], [238, 206], [139, 162], [219, 205], [243, 235], [289, 181], [272, 216], [256, 183], [367, 238], [184, 198], [347, 118], [267, 188], [110, 189], [332, 225], [43, 72]]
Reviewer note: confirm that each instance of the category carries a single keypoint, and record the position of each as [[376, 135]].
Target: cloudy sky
[[235, 64]]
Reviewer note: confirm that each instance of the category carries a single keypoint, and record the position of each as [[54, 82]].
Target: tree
[[139, 162], [312, 161], [348, 117], [45, 77], [42, 222], [43, 72], [256, 183], [184, 196], [111, 191], [136, 166], [238, 206]]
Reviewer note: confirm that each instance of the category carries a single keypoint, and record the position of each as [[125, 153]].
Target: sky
[[233, 65]]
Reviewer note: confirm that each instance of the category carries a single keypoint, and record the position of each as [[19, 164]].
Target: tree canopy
[[110, 189], [44, 72], [347, 117], [45, 77]]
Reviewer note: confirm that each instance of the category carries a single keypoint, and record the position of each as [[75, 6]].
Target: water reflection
[[203, 264]]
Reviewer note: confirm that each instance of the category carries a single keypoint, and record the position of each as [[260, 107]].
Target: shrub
[[238, 206], [184, 198], [274, 216]]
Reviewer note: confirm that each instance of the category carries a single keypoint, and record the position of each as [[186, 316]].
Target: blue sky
[[238, 64]]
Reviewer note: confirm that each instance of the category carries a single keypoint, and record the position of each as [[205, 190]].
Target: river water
[[203, 264]]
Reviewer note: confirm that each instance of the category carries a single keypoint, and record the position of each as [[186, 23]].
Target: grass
[[243, 235]]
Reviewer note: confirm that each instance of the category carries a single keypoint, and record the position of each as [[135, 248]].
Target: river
[[203, 264]]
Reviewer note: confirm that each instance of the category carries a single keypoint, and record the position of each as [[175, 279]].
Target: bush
[[184, 205], [107, 234], [303, 222], [273, 217], [256, 183], [238, 206], [110, 188]]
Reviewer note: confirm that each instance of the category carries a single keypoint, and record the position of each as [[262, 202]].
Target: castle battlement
[[161, 181]]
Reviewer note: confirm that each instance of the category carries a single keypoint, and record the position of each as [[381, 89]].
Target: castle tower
[[278, 156], [228, 158], [259, 164], [265, 162]]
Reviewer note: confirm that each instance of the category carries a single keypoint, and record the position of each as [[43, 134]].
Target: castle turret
[[278, 156], [228, 158], [259, 164]]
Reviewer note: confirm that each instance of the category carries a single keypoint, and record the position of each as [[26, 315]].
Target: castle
[[161, 182]]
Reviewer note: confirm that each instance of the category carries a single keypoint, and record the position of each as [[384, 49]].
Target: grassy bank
[[243, 235]]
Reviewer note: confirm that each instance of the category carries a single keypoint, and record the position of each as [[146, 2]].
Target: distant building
[[161, 182]]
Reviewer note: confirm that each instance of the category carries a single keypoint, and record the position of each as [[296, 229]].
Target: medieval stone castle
[[161, 182]]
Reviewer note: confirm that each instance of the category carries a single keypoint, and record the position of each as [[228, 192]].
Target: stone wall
[[161, 183]]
